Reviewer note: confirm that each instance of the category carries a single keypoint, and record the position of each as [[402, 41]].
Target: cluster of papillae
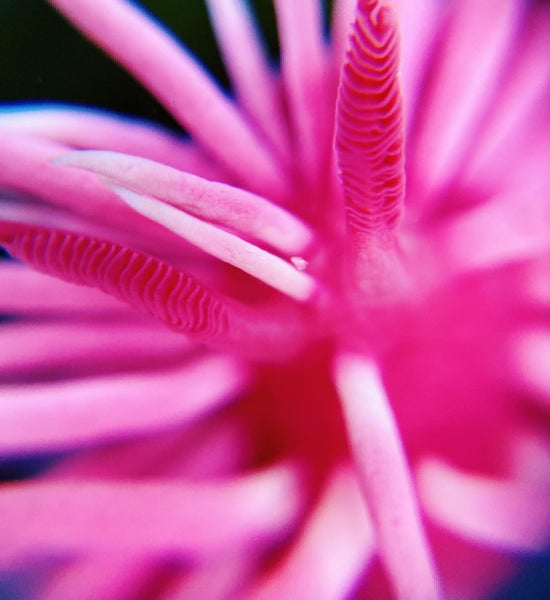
[[326, 415]]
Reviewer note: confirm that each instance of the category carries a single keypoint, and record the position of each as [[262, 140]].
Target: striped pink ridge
[[145, 282], [369, 123]]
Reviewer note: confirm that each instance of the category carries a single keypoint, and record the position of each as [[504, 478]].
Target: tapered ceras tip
[[383, 17]]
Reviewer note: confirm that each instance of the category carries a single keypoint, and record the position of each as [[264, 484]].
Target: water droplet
[[299, 262]]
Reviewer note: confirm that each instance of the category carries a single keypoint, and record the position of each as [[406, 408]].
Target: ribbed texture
[[369, 123], [144, 282]]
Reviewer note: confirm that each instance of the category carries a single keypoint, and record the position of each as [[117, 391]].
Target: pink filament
[[385, 478]]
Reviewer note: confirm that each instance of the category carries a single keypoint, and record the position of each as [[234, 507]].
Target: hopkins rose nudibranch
[[307, 352]]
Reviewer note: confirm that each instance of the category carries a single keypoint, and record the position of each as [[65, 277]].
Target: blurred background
[[43, 59]]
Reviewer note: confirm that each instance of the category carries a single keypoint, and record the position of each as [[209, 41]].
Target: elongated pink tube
[[337, 541], [31, 350], [385, 479], [58, 415], [151, 518], [225, 205], [150, 285], [253, 80], [276, 272], [486, 510], [165, 68], [96, 129]]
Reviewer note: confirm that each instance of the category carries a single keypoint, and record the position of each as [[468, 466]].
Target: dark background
[[42, 59]]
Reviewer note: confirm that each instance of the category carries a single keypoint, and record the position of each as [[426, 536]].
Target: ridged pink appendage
[[142, 281], [369, 123], [155, 287]]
